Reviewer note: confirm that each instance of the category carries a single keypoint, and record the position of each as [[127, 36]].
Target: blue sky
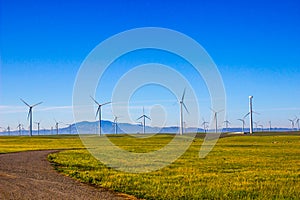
[[255, 45]]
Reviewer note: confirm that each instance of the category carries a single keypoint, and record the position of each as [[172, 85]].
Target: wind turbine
[[262, 128], [20, 128], [270, 126], [292, 123], [56, 126], [116, 124], [70, 126], [243, 121], [251, 116], [226, 122], [99, 112], [297, 122], [182, 104], [30, 114], [204, 124], [8, 130], [144, 120], [216, 117], [38, 125], [256, 125]]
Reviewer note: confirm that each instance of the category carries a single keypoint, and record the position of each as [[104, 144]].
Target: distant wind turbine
[[38, 125], [256, 125], [297, 122], [243, 121], [144, 120], [270, 126], [262, 128], [56, 126], [20, 128], [216, 118], [8, 130], [116, 124], [182, 104], [70, 128], [292, 123], [204, 124], [99, 112], [251, 116], [226, 122], [30, 114]]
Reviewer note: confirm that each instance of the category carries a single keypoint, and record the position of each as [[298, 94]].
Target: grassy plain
[[239, 167], [10, 144]]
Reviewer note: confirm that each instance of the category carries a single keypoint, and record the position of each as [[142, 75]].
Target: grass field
[[251, 167], [239, 167], [9, 144]]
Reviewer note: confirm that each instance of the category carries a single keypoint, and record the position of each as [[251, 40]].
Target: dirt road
[[28, 175]]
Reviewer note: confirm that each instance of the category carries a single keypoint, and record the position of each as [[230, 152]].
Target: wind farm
[[164, 100]]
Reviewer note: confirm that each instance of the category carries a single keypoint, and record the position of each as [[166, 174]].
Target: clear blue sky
[[255, 45]]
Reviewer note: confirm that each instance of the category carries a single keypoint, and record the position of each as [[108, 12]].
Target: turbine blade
[[246, 115], [220, 111], [147, 117], [25, 102], [140, 117], [29, 113], [37, 104], [182, 98], [98, 110], [95, 100], [185, 108], [105, 103], [212, 110]]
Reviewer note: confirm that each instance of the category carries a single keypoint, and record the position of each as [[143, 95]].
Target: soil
[[29, 175]]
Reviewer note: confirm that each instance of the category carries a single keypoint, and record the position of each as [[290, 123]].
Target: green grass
[[9, 144], [239, 167]]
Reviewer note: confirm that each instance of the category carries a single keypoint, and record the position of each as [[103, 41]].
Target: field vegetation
[[239, 167]]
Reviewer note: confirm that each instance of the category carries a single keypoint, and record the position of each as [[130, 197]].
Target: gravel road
[[28, 175]]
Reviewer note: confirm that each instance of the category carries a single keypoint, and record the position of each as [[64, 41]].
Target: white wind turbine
[[38, 126], [144, 120], [99, 112], [243, 121], [216, 118], [56, 126], [205, 125], [292, 123], [182, 104], [297, 122], [30, 114], [226, 122], [116, 124]]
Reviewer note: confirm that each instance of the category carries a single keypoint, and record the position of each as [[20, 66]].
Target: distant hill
[[108, 127]]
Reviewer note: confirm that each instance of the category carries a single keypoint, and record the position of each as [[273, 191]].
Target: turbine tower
[[292, 123], [56, 126], [226, 122], [20, 128], [243, 121], [270, 126], [250, 112], [70, 128], [38, 125], [144, 120], [216, 118], [30, 114], [99, 112], [297, 122], [182, 104], [204, 124], [116, 124], [262, 128]]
